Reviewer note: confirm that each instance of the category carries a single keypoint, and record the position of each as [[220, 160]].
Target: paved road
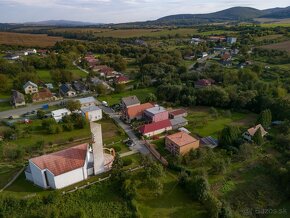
[[30, 107], [138, 144]]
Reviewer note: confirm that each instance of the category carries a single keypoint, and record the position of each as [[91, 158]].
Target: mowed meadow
[[33, 40]]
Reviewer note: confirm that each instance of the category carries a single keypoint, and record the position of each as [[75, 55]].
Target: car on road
[[10, 117]]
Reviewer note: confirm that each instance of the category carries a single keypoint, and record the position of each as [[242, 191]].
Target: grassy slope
[[174, 202]]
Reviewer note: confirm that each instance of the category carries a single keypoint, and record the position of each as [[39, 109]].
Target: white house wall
[[69, 178], [37, 175], [95, 115]]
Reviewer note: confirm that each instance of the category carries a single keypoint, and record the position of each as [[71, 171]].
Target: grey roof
[[87, 100], [91, 108], [178, 121], [29, 83], [66, 88], [156, 110], [17, 97], [131, 100]]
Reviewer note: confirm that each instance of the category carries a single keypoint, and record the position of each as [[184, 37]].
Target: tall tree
[[265, 118], [258, 138]]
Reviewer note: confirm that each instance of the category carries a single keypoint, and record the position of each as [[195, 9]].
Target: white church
[[63, 168]]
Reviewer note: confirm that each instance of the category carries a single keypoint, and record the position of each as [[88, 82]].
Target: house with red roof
[[135, 112], [121, 79], [180, 143], [43, 95], [66, 167], [177, 113], [156, 128]]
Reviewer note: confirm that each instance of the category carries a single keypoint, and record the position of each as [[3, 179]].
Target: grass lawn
[[174, 202], [116, 98], [21, 188], [135, 161], [6, 173], [202, 123], [113, 135], [4, 106], [44, 75], [38, 134]]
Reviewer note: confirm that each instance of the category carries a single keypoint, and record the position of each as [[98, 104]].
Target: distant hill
[[235, 13], [60, 23], [278, 13], [231, 14]]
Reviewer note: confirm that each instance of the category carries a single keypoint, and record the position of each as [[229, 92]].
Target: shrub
[[127, 162], [116, 148]]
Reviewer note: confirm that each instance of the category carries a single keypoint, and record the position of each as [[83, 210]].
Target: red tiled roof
[[181, 138], [138, 110], [42, 94], [155, 126], [252, 131], [121, 79], [178, 112], [204, 82], [62, 161]]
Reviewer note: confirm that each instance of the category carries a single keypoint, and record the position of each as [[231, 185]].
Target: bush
[[116, 148], [127, 162]]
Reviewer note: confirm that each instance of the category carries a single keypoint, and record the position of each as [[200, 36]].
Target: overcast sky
[[116, 11]]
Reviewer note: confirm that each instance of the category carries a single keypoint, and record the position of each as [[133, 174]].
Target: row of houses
[[105, 71], [15, 55], [229, 40], [158, 118], [89, 110]]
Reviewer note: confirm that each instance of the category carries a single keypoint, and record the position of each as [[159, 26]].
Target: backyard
[[116, 98], [203, 123]]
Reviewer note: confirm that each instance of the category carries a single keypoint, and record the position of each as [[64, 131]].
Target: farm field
[[115, 98], [29, 40], [283, 46], [269, 37], [131, 33]]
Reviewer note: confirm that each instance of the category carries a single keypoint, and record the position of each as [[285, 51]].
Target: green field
[[6, 173], [174, 202], [115, 98], [46, 77], [4, 106], [203, 123]]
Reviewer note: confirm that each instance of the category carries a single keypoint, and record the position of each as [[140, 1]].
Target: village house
[[91, 60], [66, 90], [17, 99], [66, 167], [177, 113], [43, 95], [135, 112], [217, 39], [92, 113], [49, 85], [121, 80], [57, 115], [178, 122], [156, 114], [248, 135], [129, 101], [30, 88], [87, 102], [156, 128], [180, 143], [11, 57], [80, 87], [196, 41], [31, 51], [202, 83], [231, 40]]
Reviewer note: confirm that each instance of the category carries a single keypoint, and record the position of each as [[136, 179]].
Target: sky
[[117, 11]]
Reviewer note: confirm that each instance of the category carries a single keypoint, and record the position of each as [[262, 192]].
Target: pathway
[[12, 180]]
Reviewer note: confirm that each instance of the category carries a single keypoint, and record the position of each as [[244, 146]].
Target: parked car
[[104, 103]]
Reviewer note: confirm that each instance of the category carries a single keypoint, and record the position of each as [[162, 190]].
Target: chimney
[[97, 145]]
